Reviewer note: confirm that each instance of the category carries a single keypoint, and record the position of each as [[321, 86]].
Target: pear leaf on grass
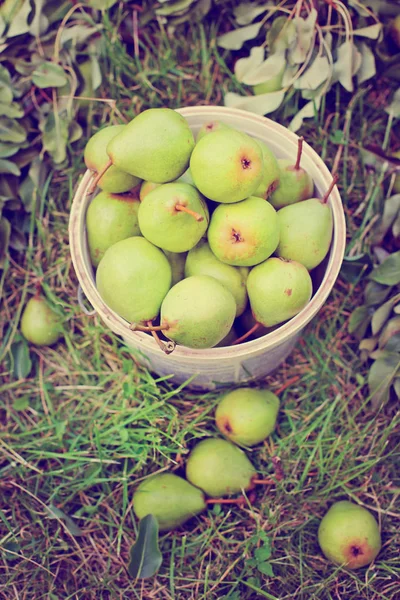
[[7, 150], [269, 68], [12, 110], [315, 74], [145, 555], [347, 64], [375, 293], [390, 336], [359, 321], [391, 209], [382, 314], [367, 68], [5, 231], [49, 74], [305, 29], [55, 136], [281, 35], [55, 513], [372, 31], [309, 110], [246, 12], [261, 104], [249, 63], [6, 166], [388, 272], [394, 107], [18, 18], [22, 359], [381, 376], [234, 40], [11, 131]]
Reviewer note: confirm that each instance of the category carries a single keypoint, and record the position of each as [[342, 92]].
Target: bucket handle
[[81, 296]]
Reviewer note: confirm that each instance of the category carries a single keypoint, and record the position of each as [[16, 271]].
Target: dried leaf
[[390, 336], [261, 104], [273, 66], [372, 31], [235, 39], [391, 209], [254, 60], [281, 35], [315, 75], [309, 110], [367, 68], [359, 321], [368, 345], [380, 377], [246, 12], [305, 32], [145, 556], [388, 273], [347, 64]]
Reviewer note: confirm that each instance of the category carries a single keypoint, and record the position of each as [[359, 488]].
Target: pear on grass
[[155, 146], [219, 468], [349, 535], [40, 324], [210, 127], [295, 183], [96, 158], [270, 177], [278, 289], [247, 416], [245, 233], [197, 312], [305, 230], [201, 261], [169, 498], [109, 219], [227, 165], [174, 217], [133, 278]]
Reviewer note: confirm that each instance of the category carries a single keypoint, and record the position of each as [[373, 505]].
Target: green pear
[[227, 165], [270, 178], [278, 289], [133, 278], [247, 416], [40, 324], [201, 261], [177, 261], [174, 217], [109, 219], [295, 184], [219, 468], [349, 535], [146, 188], [197, 312], [95, 156], [305, 232], [169, 498], [210, 127], [230, 337], [245, 233], [155, 146]]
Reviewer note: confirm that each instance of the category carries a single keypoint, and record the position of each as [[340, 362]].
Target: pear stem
[[167, 347], [99, 176], [263, 481], [248, 333], [187, 210], [299, 153], [239, 501], [151, 327], [330, 188]]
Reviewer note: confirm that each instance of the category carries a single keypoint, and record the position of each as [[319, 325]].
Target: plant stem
[[299, 153]]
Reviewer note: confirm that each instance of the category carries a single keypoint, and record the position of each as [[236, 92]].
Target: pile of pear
[[185, 234]]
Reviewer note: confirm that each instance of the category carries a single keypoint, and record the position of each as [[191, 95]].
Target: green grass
[[89, 422]]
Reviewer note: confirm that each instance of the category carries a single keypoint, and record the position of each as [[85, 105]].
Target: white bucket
[[248, 361]]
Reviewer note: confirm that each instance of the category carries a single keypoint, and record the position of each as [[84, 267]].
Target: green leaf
[[263, 553], [101, 4], [173, 6], [390, 335], [391, 209], [315, 74], [5, 230], [367, 69], [358, 318], [266, 569], [246, 12], [48, 74], [11, 131], [273, 66], [145, 556], [18, 13], [347, 64], [281, 35], [261, 104], [20, 404], [307, 112], [375, 293], [380, 377], [235, 39], [55, 513], [55, 136], [388, 273], [6, 166], [381, 315], [22, 359], [249, 63], [13, 110]]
